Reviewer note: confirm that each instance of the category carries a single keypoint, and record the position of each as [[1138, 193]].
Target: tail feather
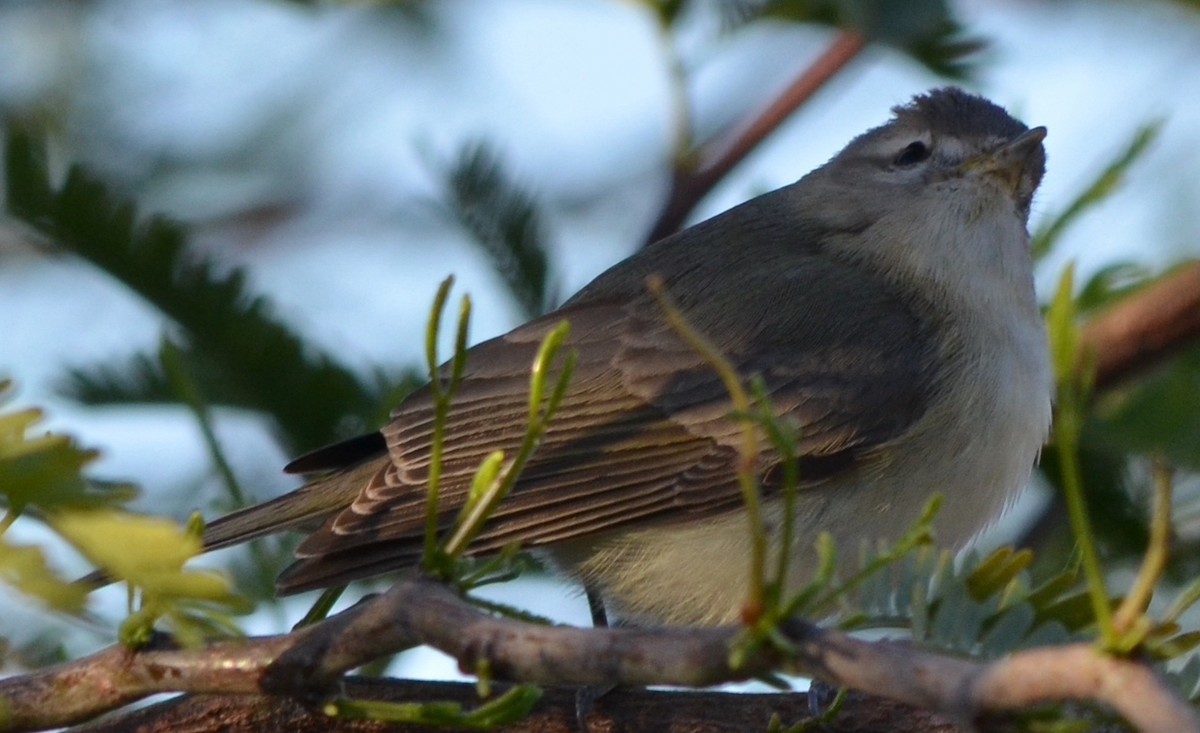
[[340, 455], [304, 509]]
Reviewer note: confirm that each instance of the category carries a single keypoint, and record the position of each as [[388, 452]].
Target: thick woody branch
[[80, 690], [307, 665], [627, 709], [1143, 329], [1079, 672], [720, 157], [419, 610]]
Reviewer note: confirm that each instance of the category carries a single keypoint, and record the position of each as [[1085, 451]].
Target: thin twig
[[722, 155], [1075, 377], [1130, 618], [748, 454]]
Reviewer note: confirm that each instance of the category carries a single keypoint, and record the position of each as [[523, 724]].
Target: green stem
[[188, 392], [321, 608], [748, 455], [542, 407], [442, 395], [786, 443], [1066, 431], [1155, 562]]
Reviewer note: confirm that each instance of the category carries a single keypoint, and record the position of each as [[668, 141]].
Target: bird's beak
[[1010, 162]]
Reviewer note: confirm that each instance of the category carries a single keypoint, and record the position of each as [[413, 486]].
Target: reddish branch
[[718, 158], [1145, 328]]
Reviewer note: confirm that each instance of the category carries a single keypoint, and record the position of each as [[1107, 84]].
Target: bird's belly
[[696, 573]]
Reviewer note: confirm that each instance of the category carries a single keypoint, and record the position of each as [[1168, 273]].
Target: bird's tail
[[304, 509]]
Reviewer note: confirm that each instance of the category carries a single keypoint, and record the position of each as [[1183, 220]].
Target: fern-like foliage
[[504, 220], [989, 606], [137, 379], [925, 30], [247, 356], [979, 606]]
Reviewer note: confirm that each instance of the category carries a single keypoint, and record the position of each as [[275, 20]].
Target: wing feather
[[644, 433]]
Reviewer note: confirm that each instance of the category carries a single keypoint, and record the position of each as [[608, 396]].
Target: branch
[[1140, 331], [625, 709], [308, 664], [720, 157], [1079, 672]]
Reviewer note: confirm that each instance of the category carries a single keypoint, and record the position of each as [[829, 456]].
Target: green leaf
[[507, 709], [136, 379], [668, 11], [1111, 283], [148, 552], [958, 620], [1184, 600], [1008, 631], [45, 471], [485, 476], [1074, 611], [25, 568], [978, 606], [995, 573], [1176, 646], [1187, 678], [1054, 588], [1119, 521], [1062, 326]]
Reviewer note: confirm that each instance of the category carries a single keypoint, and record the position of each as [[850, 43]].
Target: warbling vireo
[[886, 300]]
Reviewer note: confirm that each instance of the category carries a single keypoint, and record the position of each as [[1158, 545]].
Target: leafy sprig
[[925, 30], [42, 477], [494, 479]]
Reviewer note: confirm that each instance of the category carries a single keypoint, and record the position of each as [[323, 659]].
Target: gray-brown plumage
[[886, 301]]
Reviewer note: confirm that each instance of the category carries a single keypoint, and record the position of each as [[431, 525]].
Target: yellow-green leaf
[[1063, 326], [45, 471], [25, 568], [148, 552], [997, 571]]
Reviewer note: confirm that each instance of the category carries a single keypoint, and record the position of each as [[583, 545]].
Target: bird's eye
[[913, 153]]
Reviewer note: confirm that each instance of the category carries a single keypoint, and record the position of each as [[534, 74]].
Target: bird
[[886, 302]]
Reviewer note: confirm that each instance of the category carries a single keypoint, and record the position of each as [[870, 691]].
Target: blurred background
[[346, 157]]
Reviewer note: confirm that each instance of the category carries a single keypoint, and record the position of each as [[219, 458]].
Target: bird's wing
[[644, 432]]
